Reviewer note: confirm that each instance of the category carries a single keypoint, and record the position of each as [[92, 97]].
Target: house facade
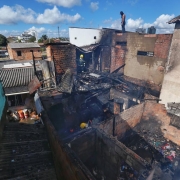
[[24, 51]]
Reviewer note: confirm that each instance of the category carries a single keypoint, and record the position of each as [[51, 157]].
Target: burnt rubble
[[147, 140], [92, 98]]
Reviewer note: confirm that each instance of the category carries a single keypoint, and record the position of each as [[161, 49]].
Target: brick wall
[[65, 168], [26, 53], [162, 46], [123, 121], [64, 57], [106, 58], [105, 153], [111, 154], [118, 51], [158, 112]]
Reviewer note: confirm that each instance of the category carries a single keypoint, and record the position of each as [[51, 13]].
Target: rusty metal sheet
[[34, 85]]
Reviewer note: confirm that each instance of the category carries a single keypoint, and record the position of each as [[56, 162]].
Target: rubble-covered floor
[[25, 153], [67, 112], [146, 140]]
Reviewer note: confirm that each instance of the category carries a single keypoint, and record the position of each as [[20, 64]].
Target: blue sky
[[45, 16]]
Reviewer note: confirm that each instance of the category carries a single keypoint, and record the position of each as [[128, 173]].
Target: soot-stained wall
[[149, 63], [105, 154]]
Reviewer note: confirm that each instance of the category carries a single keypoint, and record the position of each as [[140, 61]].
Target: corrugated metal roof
[[16, 90], [16, 77], [23, 45], [174, 20]]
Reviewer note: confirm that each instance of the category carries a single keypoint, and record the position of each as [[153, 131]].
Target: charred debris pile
[[90, 97]]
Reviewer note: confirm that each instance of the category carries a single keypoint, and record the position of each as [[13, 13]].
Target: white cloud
[[160, 24], [38, 30], [107, 21], [133, 24], [132, 2], [12, 15], [64, 3], [54, 33], [53, 16], [94, 6]]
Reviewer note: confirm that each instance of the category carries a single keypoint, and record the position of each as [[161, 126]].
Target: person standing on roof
[[123, 21]]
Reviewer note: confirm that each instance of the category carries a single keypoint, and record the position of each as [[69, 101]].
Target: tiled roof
[[23, 45], [16, 80], [174, 20]]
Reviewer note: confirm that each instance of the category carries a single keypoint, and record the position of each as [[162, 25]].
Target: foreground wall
[[65, 168], [171, 83], [98, 150]]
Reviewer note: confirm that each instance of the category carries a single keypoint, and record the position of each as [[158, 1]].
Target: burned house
[[108, 121]]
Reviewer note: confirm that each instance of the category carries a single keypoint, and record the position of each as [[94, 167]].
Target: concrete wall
[[171, 83], [26, 53], [144, 67], [83, 37]]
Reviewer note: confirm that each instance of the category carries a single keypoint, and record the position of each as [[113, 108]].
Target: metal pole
[[34, 63], [58, 31]]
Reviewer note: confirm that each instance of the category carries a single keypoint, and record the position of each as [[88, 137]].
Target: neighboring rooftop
[[16, 80], [23, 45], [174, 20], [16, 75]]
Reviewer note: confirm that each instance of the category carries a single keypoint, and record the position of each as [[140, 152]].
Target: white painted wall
[[170, 91], [84, 36]]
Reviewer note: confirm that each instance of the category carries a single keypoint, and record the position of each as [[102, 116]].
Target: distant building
[[141, 30], [26, 35], [24, 51], [151, 30]]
